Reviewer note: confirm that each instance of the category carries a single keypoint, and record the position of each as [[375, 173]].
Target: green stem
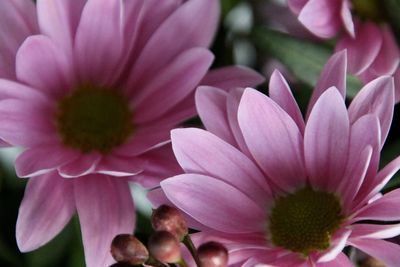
[[187, 241], [154, 262], [182, 263]]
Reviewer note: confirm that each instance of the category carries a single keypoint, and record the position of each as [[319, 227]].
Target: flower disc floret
[[369, 9], [305, 220], [94, 119]]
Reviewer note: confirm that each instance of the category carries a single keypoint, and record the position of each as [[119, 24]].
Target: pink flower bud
[[169, 219], [164, 247], [213, 254], [126, 248]]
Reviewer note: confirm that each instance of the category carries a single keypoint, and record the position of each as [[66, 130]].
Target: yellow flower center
[[305, 220], [94, 119]]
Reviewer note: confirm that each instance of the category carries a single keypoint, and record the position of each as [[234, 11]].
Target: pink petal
[[36, 161], [47, 207], [192, 25], [296, 5], [279, 91], [233, 101], [212, 108], [17, 21], [347, 18], [172, 84], [83, 165], [231, 77], [362, 50], [385, 208], [377, 97], [209, 155], [11, 89], [341, 260], [41, 64], [375, 231], [214, 203], [273, 139], [59, 20], [321, 17], [99, 30], [105, 208], [333, 74], [388, 253], [160, 164], [326, 140], [118, 166], [397, 85], [26, 124], [338, 243], [388, 58]]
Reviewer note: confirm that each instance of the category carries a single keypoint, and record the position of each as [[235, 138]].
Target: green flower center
[[370, 9], [94, 119], [305, 220]]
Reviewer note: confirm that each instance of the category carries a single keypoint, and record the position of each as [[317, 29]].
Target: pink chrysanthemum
[[91, 89], [372, 48], [280, 191]]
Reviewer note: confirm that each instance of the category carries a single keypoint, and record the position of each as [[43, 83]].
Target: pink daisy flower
[[91, 89], [372, 48], [279, 191]]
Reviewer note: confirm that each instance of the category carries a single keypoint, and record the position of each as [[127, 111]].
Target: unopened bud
[[164, 247], [125, 248], [169, 219], [213, 254]]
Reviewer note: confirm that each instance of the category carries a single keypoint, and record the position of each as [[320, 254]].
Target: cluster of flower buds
[[164, 245]]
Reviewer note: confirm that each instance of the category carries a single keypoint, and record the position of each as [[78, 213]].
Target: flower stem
[[187, 241]]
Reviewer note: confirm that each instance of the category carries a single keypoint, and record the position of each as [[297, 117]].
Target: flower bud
[[166, 218], [164, 247], [125, 248], [213, 254]]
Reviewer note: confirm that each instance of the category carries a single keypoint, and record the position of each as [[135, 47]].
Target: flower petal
[[214, 203], [83, 165], [212, 109], [321, 17], [231, 77], [363, 49], [360, 230], [41, 64], [47, 207], [99, 29], [341, 260], [333, 74], [377, 97], [326, 140], [347, 18], [280, 92], [386, 252], [118, 166], [105, 208], [273, 139], [201, 152], [338, 243]]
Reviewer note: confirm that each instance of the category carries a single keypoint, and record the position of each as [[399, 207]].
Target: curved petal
[[214, 203], [36, 161], [273, 139], [201, 152], [377, 97], [333, 74], [47, 207], [341, 260], [396, 77], [212, 109], [326, 140], [105, 208], [384, 251], [347, 18], [17, 21], [83, 165], [321, 17], [296, 5], [99, 29], [192, 25], [41, 64], [118, 166], [338, 243], [231, 77], [279, 91], [59, 20], [363, 49], [385, 208], [171, 85], [375, 231]]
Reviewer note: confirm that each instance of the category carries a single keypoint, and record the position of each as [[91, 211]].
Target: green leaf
[[305, 59]]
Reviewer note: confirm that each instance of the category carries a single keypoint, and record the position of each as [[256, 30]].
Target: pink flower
[[278, 190], [372, 48], [90, 90]]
